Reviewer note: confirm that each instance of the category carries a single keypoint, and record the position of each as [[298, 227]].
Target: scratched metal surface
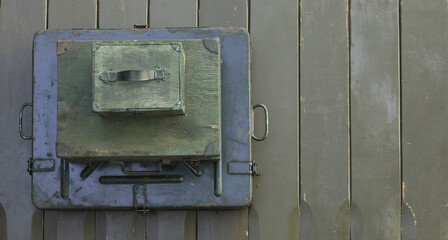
[[90, 193]]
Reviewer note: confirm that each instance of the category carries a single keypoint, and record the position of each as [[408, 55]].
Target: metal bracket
[[140, 199], [40, 165], [239, 167]]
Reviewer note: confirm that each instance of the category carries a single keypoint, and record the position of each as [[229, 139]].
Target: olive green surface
[[150, 97], [375, 119], [324, 120], [274, 82], [424, 68], [83, 135]]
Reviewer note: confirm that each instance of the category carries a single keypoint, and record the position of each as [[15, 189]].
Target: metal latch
[[40, 165], [140, 199], [247, 167]]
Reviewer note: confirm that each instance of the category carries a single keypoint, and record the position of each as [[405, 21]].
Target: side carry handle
[[266, 121], [27, 104]]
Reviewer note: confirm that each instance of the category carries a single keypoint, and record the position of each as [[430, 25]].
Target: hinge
[[248, 167], [140, 199], [40, 165]]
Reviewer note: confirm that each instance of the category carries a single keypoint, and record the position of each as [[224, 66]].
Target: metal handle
[[27, 104], [159, 74], [266, 121]]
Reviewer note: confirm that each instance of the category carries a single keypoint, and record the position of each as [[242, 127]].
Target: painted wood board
[[120, 225], [274, 79], [424, 118], [122, 13], [324, 120], [68, 14], [173, 13], [221, 225], [19, 20], [218, 13], [375, 118], [171, 225], [68, 225]]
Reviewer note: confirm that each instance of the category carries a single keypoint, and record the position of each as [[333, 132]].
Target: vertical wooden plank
[[425, 113], [69, 225], [122, 13], [375, 135], [167, 225], [217, 13], [223, 224], [69, 14], [173, 13], [274, 76], [118, 225], [171, 225], [324, 121], [19, 20], [113, 225]]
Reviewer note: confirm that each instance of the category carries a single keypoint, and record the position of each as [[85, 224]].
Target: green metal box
[[139, 77], [175, 116]]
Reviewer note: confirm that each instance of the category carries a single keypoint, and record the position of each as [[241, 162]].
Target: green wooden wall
[[358, 119]]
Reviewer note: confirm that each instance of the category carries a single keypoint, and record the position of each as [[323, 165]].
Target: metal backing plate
[[63, 188]]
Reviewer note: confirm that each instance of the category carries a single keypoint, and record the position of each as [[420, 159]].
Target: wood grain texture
[[221, 225], [68, 14], [120, 225], [216, 225], [218, 13], [171, 225], [425, 113], [69, 225], [173, 13], [122, 13], [19, 20], [324, 120], [375, 134], [274, 78]]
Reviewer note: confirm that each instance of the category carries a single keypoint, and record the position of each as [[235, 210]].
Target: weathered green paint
[[83, 134], [375, 134], [118, 225], [218, 13], [164, 97], [173, 13], [68, 14], [324, 118], [424, 117], [274, 41], [171, 225], [69, 225], [122, 13], [221, 225]]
